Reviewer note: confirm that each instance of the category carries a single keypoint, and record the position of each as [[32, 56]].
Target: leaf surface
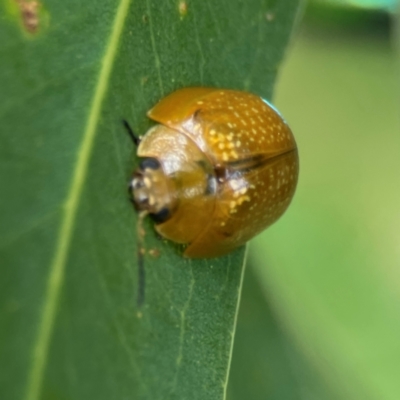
[[70, 72]]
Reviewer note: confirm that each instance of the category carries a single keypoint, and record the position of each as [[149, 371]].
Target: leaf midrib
[[71, 205]]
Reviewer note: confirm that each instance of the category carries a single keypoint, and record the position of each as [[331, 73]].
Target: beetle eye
[[161, 216], [135, 184], [149, 162]]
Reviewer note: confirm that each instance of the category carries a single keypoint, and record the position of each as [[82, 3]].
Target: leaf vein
[[182, 331], [10, 240], [199, 46], [57, 267], [153, 45]]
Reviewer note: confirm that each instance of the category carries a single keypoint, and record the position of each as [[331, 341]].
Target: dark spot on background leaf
[[30, 15]]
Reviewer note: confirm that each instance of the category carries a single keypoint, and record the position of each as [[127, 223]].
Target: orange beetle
[[221, 167]]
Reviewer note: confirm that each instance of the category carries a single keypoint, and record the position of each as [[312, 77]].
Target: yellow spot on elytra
[[243, 199]]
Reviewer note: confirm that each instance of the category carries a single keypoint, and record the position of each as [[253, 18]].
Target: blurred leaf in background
[[328, 272], [267, 363]]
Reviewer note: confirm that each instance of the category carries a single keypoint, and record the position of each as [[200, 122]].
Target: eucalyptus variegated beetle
[[221, 166]]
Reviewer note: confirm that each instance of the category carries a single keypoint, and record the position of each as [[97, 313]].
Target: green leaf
[[70, 72], [267, 363], [331, 274]]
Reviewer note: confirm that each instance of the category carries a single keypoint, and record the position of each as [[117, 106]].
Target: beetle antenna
[[140, 258], [135, 139]]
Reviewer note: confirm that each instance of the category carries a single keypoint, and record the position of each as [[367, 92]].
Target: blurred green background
[[320, 313]]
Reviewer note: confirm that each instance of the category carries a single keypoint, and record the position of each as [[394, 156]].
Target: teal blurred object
[[383, 5]]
